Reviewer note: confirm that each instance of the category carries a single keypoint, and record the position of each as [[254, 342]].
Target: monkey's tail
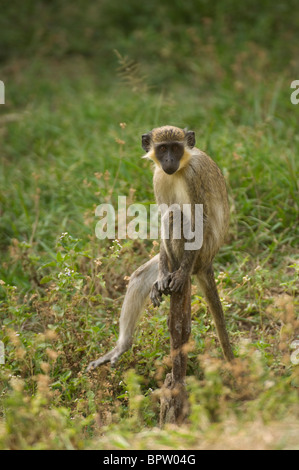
[[137, 293]]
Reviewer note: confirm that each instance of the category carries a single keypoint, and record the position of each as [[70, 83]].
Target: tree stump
[[174, 402]]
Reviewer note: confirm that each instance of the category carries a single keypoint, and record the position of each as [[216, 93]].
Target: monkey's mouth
[[169, 171]]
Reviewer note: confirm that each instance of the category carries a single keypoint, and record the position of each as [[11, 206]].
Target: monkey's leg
[[208, 285], [138, 290]]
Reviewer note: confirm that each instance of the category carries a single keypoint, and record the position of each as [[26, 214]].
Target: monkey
[[183, 174]]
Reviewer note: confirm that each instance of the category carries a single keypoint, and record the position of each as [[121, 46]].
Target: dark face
[[169, 155]]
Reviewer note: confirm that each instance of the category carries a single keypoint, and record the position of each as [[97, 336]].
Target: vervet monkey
[[183, 175]]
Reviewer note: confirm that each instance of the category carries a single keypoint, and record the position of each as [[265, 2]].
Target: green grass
[[63, 152]]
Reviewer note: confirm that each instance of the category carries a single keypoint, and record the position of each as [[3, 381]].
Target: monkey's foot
[[112, 357]]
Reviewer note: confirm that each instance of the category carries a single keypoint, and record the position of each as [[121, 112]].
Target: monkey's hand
[[155, 295], [163, 283], [160, 287], [178, 280]]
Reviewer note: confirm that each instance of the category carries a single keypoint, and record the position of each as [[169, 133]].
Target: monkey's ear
[[146, 141], [190, 138]]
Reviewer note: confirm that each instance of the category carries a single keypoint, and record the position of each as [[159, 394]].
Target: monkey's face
[[169, 155], [169, 147]]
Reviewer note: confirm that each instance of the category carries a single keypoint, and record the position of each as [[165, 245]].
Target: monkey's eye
[[163, 148]]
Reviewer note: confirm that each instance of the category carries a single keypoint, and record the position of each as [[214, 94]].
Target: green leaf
[[46, 279], [48, 265]]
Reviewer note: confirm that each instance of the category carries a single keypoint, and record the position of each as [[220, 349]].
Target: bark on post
[[174, 403]]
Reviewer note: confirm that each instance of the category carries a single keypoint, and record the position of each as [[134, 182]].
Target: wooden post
[[174, 404]]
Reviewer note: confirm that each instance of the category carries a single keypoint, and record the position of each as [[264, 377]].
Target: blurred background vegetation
[[83, 81]]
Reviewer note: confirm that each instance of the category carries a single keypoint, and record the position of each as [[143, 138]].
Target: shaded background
[[83, 81], [74, 70], [165, 36]]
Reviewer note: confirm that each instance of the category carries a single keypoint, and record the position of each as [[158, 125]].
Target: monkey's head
[[169, 147]]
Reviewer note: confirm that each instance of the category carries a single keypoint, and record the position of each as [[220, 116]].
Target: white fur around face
[[170, 189]]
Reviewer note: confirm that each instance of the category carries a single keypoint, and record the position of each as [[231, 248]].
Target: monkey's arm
[[161, 286], [164, 274], [180, 276], [183, 273]]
